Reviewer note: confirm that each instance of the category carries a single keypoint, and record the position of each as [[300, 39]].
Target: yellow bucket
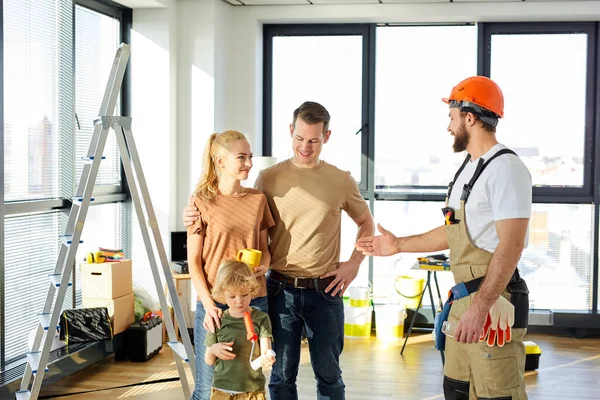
[[360, 296], [357, 322], [411, 289], [389, 322]]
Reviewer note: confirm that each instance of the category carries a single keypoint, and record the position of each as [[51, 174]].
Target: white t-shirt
[[503, 191]]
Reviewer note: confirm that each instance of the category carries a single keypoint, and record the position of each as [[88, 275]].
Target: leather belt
[[302, 283]]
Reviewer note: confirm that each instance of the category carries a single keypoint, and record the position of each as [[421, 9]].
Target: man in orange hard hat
[[488, 206]]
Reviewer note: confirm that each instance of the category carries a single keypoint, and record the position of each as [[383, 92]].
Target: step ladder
[[37, 360]]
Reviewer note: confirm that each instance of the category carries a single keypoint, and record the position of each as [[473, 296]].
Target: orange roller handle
[[250, 334]]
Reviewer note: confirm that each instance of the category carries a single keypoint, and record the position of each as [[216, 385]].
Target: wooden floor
[[569, 369]]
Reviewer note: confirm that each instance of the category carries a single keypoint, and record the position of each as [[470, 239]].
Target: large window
[[57, 55], [31, 249], [96, 39], [37, 97], [405, 218], [415, 68], [545, 102]]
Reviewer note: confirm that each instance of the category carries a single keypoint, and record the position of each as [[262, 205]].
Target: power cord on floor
[[111, 388]]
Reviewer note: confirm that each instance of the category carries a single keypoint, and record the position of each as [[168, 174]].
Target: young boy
[[228, 349]]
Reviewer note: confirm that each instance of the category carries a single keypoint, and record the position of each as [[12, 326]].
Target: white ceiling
[[144, 3], [166, 3], [320, 2]]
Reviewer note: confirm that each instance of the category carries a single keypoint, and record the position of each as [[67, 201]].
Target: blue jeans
[[322, 315], [204, 372]]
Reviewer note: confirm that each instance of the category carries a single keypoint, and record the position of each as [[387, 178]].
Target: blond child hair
[[234, 275]]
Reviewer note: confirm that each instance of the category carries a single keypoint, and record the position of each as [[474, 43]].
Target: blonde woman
[[231, 218]]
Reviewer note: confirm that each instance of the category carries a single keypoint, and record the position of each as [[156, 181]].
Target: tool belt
[[519, 298], [456, 292], [302, 283]]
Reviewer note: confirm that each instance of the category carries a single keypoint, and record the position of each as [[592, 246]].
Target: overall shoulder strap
[[480, 167], [451, 184]]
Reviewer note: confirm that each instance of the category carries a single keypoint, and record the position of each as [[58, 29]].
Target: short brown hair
[[312, 113], [486, 127], [234, 275]]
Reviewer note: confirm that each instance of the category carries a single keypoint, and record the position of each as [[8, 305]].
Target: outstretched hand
[[384, 245]]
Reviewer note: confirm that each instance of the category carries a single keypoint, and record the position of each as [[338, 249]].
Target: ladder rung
[[56, 278], [79, 199], [179, 349], [89, 159], [68, 240], [34, 361], [23, 394], [45, 319]]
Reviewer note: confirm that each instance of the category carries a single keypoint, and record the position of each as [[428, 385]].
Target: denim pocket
[[328, 297], [273, 287]]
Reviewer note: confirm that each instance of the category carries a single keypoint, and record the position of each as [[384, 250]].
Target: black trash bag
[[85, 325]]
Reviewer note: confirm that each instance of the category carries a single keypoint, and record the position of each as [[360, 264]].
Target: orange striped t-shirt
[[228, 224]]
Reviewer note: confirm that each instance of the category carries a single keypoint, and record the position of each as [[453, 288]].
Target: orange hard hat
[[480, 91]]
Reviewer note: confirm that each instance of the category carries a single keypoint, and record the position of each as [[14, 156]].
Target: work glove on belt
[[500, 319]]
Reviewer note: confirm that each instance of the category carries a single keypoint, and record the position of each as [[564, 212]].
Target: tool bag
[[85, 325]]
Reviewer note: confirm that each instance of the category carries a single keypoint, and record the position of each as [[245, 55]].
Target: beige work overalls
[[477, 371]]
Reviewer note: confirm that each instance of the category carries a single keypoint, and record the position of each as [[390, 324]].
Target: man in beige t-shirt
[[306, 280]]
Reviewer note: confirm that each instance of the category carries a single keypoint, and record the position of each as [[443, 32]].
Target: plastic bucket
[[389, 322], [360, 296], [357, 322], [411, 289]]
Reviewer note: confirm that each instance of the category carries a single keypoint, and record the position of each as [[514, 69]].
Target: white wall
[[179, 68], [154, 123], [203, 40]]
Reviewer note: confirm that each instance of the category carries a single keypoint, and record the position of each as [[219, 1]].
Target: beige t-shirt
[[230, 224], [307, 206]]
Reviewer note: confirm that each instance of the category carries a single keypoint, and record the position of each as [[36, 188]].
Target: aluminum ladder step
[[23, 395], [45, 320], [179, 349], [34, 361], [90, 159], [56, 278], [79, 199], [68, 240]]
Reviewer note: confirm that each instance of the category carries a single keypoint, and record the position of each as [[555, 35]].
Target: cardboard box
[[109, 280], [120, 311]]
